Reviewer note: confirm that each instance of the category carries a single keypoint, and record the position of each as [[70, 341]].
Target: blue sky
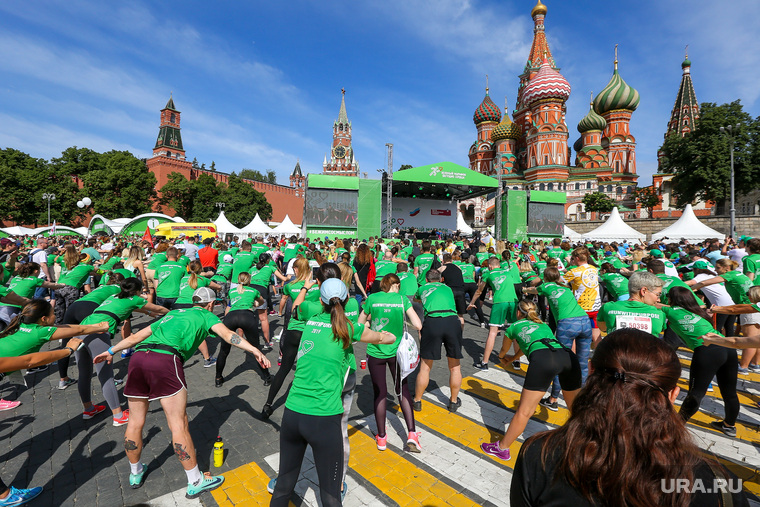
[[258, 83]]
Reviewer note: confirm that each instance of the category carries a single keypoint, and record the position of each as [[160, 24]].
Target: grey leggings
[[347, 397], [96, 344]]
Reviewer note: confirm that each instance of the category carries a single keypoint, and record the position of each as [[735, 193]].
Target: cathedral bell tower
[[341, 161]]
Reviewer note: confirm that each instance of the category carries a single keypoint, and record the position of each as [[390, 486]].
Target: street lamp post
[[731, 131], [220, 205], [48, 197]]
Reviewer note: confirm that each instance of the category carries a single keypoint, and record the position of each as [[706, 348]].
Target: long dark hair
[[31, 314], [263, 260], [624, 435], [130, 287], [684, 298], [339, 321], [26, 270]]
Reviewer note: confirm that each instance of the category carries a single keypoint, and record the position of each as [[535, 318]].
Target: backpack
[[28, 257], [371, 275]]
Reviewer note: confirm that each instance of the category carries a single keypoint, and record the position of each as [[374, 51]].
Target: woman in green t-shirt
[[386, 311], [24, 284], [261, 278], [691, 323], [314, 409], [74, 279], [548, 358]]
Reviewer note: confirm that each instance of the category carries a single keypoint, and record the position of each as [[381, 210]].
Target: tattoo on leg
[[130, 445], [181, 453], [235, 339]]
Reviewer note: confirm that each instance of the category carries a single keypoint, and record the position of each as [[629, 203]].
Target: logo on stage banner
[[441, 212]]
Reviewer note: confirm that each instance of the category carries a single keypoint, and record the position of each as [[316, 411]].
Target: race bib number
[[634, 321]]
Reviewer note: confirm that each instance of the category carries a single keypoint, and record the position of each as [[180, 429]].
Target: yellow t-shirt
[[584, 280]]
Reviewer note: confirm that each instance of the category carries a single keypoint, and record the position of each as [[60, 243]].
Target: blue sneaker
[[127, 353], [271, 484], [208, 483], [137, 480], [20, 496]]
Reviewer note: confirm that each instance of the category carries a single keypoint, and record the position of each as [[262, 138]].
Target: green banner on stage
[[370, 208]]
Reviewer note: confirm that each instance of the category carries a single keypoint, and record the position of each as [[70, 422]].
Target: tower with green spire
[[686, 109], [169, 141]]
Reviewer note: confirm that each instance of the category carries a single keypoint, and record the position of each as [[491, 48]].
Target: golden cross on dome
[[486, 83], [343, 91], [616, 46], [686, 51], [592, 99]]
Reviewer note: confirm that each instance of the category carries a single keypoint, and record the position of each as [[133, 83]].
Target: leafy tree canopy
[[253, 174], [599, 202]]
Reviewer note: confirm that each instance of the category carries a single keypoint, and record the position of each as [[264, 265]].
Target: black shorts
[[437, 331], [546, 364], [460, 303], [264, 291]]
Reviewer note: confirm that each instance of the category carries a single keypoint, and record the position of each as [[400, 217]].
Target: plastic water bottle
[[218, 452]]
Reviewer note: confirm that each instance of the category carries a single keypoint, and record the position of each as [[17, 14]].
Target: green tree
[[253, 174], [177, 194], [243, 202], [213, 166], [206, 192], [647, 198], [123, 188], [404, 167], [195, 164], [599, 202], [24, 180], [701, 159]]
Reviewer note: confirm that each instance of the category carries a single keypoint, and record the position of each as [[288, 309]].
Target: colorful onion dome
[[507, 129], [617, 94], [487, 111], [538, 9], [591, 121], [546, 84], [686, 63]]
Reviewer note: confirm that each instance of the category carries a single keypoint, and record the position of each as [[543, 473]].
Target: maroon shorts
[[154, 375]]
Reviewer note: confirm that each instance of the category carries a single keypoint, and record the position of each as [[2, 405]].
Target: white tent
[[17, 230], [256, 227], [571, 234], [462, 226], [286, 227], [688, 227], [223, 226], [614, 229]]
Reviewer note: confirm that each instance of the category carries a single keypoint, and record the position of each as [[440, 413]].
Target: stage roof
[[444, 180]]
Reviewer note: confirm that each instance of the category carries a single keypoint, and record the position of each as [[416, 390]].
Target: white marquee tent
[[257, 226], [688, 227], [614, 229], [462, 226], [571, 234], [223, 226], [287, 227]]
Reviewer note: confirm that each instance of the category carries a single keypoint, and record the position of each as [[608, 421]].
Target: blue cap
[[333, 288]]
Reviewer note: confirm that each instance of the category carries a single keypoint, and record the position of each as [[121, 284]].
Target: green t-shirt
[[290, 251], [737, 286], [233, 250], [482, 256], [168, 276], [257, 249], [24, 287], [615, 283], [688, 326], [529, 336], [562, 302], [243, 262], [322, 366], [26, 340], [751, 264], [183, 329], [556, 253], [77, 276], [245, 300], [263, 276], [156, 260], [468, 271], [668, 282], [501, 281], [114, 310], [423, 263], [409, 283], [224, 270], [311, 305], [528, 276], [101, 294], [383, 268], [635, 314], [387, 311], [186, 292], [437, 300], [540, 266]]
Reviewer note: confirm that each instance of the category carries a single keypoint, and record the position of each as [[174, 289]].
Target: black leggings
[[376, 367], [3, 487], [75, 314], [707, 362], [470, 289], [289, 348], [725, 324], [324, 435], [248, 322]]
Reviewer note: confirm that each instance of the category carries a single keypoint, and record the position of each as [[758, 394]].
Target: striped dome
[[616, 95], [507, 129], [546, 84], [591, 121], [487, 111]]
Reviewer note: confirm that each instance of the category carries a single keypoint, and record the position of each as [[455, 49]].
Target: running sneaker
[[266, 348], [20, 496], [481, 366], [271, 485], [516, 365], [127, 352], [381, 442], [343, 492], [95, 410], [277, 337], [63, 384], [417, 405], [208, 483], [551, 405], [218, 381], [137, 480], [268, 381], [754, 368], [743, 371], [454, 405], [124, 419], [483, 325], [208, 363], [37, 369], [710, 387], [413, 442], [266, 411], [494, 450], [118, 381], [8, 405], [729, 431]]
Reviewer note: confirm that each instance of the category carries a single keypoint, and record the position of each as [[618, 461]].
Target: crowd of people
[[597, 322]]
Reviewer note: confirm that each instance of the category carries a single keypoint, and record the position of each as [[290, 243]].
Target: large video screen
[[336, 208], [546, 218]]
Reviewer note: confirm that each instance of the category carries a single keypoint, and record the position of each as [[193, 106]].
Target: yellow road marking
[[686, 363], [244, 486]]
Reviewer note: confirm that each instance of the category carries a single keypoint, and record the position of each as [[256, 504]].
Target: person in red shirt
[[209, 256]]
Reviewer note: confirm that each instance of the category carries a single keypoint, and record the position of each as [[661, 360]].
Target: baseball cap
[[745, 238], [204, 295], [701, 265], [656, 252], [333, 288], [228, 258], [5, 242]]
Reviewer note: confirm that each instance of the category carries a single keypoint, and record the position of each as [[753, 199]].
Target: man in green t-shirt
[[751, 263], [156, 373], [441, 327], [243, 262], [424, 262], [168, 278], [639, 311], [668, 282]]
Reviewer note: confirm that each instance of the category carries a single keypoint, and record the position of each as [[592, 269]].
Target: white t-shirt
[[191, 251], [40, 257], [716, 293], [737, 254]]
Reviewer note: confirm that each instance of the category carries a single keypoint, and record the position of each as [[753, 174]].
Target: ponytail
[[263, 260], [339, 321], [529, 309], [194, 268], [31, 314], [26, 270], [243, 280], [130, 287]]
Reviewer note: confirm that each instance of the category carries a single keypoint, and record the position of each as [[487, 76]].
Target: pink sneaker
[[381, 442], [413, 442], [124, 419], [95, 410], [494, 450], [8, 405]]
